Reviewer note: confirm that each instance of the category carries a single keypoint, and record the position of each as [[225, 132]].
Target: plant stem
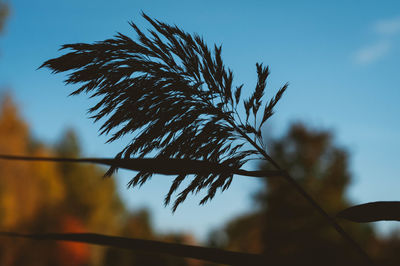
[[157, 166], [141, 245], [264, 173], [308, 197]]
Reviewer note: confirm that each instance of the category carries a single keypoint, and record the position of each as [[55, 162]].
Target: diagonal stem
[[308, 197]]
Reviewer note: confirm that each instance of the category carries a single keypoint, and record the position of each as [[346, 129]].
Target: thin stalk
[[157, 166], [308, 197], [175, 166], [179, 250]]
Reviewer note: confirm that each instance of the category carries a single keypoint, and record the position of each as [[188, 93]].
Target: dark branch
[[179, 250], [372, 212], [156, 166]]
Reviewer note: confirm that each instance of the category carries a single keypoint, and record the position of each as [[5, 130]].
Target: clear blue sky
[[340, 59]]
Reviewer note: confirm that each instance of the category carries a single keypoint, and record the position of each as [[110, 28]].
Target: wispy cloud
[[372, 53], [387, 26], [385, 32]]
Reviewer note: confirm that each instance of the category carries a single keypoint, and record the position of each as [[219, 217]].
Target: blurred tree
[[287, 229], [94, 202], [138, 225], [16, 185], [70, 253], [47, 197], [293, 231], [3, 14], [92, 199], [89, 198], [25, 189]]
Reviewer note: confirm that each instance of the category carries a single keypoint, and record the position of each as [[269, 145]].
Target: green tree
[[89, 198], [287, 229]]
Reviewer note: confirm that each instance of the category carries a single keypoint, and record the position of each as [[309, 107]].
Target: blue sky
[[340, 59]]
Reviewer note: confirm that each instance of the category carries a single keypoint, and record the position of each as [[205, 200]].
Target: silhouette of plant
[[175, 96], [372, 212], [178, 100]]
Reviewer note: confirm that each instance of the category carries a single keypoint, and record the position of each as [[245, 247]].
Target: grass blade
[[179, 250], [155, 165], [372, 212]]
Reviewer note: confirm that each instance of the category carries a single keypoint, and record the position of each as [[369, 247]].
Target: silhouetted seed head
[[174, 96]]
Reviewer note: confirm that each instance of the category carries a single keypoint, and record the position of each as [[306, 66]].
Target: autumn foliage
[[45, 197]]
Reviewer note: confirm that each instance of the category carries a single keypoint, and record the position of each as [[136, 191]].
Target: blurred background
[[336, 130]]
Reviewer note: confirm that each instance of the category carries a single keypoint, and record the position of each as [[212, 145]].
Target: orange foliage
[[24, 187], [71, 253], [18, 200]]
